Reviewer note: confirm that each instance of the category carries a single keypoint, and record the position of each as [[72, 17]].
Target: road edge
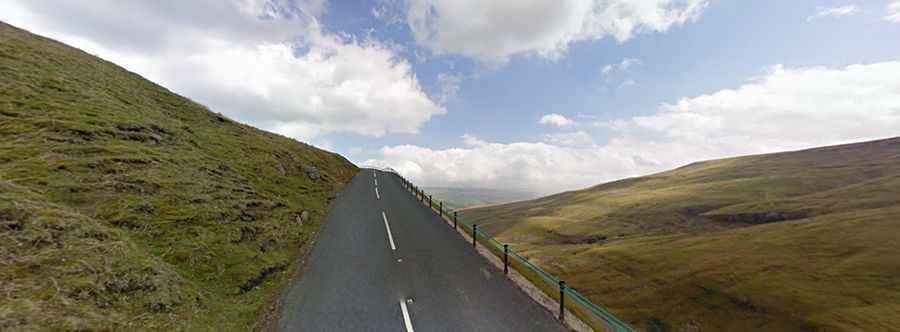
[[571, 322], [267, 320]]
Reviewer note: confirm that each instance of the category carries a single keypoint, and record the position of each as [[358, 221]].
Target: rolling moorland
[[795, 241], [126, 206], [457, 198]]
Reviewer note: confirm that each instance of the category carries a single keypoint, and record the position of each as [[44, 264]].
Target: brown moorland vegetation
[[804, 240]]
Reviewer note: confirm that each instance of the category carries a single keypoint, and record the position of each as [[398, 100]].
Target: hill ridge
[[797, 240]]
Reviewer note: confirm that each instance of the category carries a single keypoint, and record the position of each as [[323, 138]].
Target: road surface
[[384, 262]]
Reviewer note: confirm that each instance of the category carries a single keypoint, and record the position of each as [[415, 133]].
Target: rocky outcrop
[[312, 172]]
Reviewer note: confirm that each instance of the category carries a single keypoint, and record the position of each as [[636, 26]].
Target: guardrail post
[[562, 300], [454, 220], [430, 202], [441, 209], [474, 234], [505, 259]]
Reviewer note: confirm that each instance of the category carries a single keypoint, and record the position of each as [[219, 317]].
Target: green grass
[[801, 240], [126, 206]]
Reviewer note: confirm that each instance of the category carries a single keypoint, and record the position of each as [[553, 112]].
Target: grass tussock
[[126, 206], [804, 240]]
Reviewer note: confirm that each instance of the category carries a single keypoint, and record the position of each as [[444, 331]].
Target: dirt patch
[[265, 273]]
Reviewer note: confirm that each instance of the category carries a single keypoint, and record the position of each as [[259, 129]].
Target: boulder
[[312, 172], [303, 217]]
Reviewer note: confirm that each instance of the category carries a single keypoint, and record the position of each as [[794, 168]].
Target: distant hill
[[457, 198], [805, 240], [124, 206]]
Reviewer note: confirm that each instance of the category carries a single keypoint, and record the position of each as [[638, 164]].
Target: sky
[[536, 95]]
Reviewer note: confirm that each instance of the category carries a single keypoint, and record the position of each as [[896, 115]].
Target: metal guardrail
[[595, 316]]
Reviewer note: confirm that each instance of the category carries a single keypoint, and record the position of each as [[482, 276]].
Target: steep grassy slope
[[802, 240], [123, 205]]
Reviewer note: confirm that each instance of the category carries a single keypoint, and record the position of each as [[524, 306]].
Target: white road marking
[[374, 174], [388, 227], [376, 182], [406, 316], [377, 196]]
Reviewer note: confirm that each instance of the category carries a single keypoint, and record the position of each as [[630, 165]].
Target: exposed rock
[[312, 172], [691, 326], [303, 217], [221, 117], [280, 169]]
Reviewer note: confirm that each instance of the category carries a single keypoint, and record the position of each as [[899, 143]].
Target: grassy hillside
[[805, 240], [456, 198], [125, 206]]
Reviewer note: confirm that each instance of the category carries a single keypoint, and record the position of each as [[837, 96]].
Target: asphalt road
[[429, 279]]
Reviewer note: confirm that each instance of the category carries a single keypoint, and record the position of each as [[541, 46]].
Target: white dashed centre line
[[377, 196], [376, 182], [406, 316], [388, 227]]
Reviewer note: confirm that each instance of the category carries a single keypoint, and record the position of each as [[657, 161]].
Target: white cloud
[[616, 124], [789, 108], [556, 119], [622, 66], [449, 86], [608, 72], [492, 31], [578, 138], [388, 11], [607, 69], [893, 12], [785, 109], [264, 62], [355, 151], [627, 83], [839, 11]]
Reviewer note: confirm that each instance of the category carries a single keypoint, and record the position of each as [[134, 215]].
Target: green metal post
[[562, 300], [505, 259]]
